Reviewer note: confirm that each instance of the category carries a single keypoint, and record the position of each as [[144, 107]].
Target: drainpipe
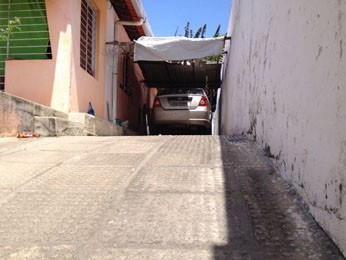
[[8, 33], [114, 75], [140, 22]]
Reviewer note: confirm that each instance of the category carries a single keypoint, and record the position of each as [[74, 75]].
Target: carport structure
[[178, 62], [163, 74]]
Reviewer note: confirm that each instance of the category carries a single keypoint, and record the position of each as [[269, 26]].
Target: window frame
[[88, 37]]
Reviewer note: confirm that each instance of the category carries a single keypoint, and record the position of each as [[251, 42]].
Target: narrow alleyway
[[157, 197]]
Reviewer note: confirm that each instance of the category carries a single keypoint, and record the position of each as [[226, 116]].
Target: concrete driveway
[[157, 197]]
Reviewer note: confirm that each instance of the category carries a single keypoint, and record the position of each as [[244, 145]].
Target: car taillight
[[157, 102], [203, 102]]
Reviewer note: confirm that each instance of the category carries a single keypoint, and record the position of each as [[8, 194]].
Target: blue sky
[[165, 16]]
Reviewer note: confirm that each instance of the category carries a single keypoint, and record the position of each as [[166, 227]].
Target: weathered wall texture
[[285, 85], [18, 115], [21, 115]]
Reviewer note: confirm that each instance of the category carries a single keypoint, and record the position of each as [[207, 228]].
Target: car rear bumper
[[200, 117]]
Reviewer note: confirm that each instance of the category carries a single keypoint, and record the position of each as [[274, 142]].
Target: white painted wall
[[284, 83]]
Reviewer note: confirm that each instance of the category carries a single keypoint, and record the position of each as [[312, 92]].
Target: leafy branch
[[12, 26], [201, 34]]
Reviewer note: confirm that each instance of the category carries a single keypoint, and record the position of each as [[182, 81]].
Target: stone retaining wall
[[20, 115]]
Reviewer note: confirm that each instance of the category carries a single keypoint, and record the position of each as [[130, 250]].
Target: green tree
[[204, 30], [11, 26], [217, 32], [200, 33], [187, 30]]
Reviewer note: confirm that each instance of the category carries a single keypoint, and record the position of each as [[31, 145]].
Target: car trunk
[[181, 101]]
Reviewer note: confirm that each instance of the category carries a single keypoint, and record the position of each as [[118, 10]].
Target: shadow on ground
[[180, 131], [266, 219]]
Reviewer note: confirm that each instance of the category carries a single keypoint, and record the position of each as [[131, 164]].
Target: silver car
[[182, 107]]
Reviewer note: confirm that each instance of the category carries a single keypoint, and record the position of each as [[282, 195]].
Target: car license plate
[[178, 103]]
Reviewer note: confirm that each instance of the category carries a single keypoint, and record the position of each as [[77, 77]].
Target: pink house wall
[[60, 82], [129, 107], [84, 87]]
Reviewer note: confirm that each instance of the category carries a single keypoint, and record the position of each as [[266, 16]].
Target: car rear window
[[168, 91]]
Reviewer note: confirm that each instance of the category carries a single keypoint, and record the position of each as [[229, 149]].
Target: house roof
[[126, 11]]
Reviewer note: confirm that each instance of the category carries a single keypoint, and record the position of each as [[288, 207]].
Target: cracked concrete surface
[[158, 197]]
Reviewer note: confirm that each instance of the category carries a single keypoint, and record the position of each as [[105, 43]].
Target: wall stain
[[274, 103], [269, 154], [342, 171], [340, 191], [341, 48], [253, 123], [319, 52], [284, 164], [340, 16]]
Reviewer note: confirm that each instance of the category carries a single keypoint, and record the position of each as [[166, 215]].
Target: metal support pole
[[8, 32]]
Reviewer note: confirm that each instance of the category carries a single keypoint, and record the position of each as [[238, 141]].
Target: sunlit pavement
[[157, 197]]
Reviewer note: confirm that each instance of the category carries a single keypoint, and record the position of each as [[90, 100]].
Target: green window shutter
[[31, 42], [3, 43]]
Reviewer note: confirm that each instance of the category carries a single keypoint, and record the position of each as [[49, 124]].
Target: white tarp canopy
[[176, 48]]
